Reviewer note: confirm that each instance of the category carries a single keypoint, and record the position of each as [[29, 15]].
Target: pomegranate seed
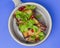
[[32, 30], [36, 39], [32, 16], [21, 8]]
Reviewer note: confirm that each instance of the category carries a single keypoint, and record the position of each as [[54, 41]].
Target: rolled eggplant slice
[[40, 25]]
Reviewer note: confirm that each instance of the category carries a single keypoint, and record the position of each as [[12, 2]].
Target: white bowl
[[46, 19]]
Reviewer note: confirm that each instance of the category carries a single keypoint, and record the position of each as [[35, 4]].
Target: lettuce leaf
[[41, 35], [23, 28], [22, 15]]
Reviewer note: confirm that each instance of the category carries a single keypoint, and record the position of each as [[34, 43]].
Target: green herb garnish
[[32, 7], [38, 16]]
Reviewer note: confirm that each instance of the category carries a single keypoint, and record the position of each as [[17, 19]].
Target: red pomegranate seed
[[36, 39], [32, 16], [32, 30], [21, 8]]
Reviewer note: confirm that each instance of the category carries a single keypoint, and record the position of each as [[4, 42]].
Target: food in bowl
[[27, 21]]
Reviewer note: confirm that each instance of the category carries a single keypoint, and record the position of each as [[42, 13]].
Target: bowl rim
[[39, 41]]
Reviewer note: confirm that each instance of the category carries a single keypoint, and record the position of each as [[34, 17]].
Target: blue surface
[[6, 7]]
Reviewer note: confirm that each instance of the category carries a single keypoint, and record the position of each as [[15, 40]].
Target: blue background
[[6, 7]]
